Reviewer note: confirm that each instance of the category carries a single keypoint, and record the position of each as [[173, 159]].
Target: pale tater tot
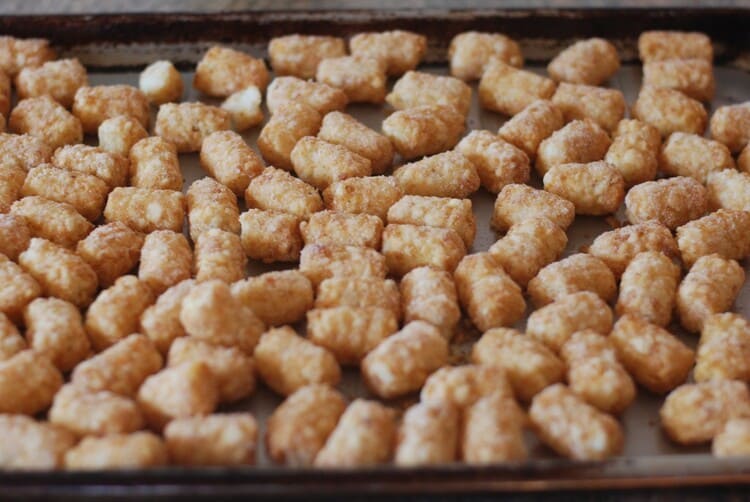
[[161, 321], [440, 212], [692, 77], [287, 362], [669, 111], [430, 295], [59, 79], [487, 293], [350, 333], [529, 246], [399, 50], [573, 428], [724, 349], [299, 427], [729, 125], [299, 55], [580, 141], [403, 361], [417, 88], [710, 287], [109, 167], [535, 123], [695, 413], [672, 202], [322, 97], [725, 232], [364, 436], [508, 90], [47, 120], [121, 368], [94, 413], [497, 162], [321, 163], [729, 189], [225, 156], [448, 174], [470, 52], [528, 363], [604, 106], [60, 272], [146, 209], [655, 358], [362, 78], [11, 185], [277, 190], [55, 221], [118, 134], [428, 435], [28, 383], [648, 287], [595, 188], [617, 247], [369, 195], [166, 259], [577, 272], [137, 450], [211, 205], [23, 151], [342, 129], [492, 431], [94, 105], [55, 328], [17, 289], [15, 235], [244, 107], [223, 71], [29, 445], [11, 341], [277, 298], [554, 323], [154, 164], [19, 53], [733, 440], [186, 125], [462, 386], [219, 255], [517, 203], [320, 262], [117, 310], [424, 130], [291, 122], [592, 62], [335, 228], [662, 45], [270, 236], [635, 151], [112, 250], [407, 247], [214, 440], [161, 82], [693, 155]]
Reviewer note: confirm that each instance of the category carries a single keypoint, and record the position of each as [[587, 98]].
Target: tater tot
[[219, 255], [695, 156], [535, 123], [729, 189], [109, 167], [710, 287], [662, 45], [47, 120], [11, 341], [187, 124], [29, 445], [516, 203], [529, 246], [487, 293], [369, 195], [299, 55], [342, 129], [94, 413], [648, 287], [580, 141], [211, 205], [161, 82], [299, 427], [497, 162], [287, 362], [595, 188], [573, 428], [60, 272], [729, 125], [554, 323], [428, 435], [214, 440], [362, 78], [617, 247], [17, 289], [416, 88], [322, 97], [471, 51], [15, 235], [116, 311], [55, 221], [112, 250], [11, 185], [19, 53], [161, 321], [28, 382], [440, 212], [724, 349], [529, 364], [669, 111], [222, 71], [244, 107], [154, 164], [121, 368], [430, 295], [146, 209], [508, 90], [23, 151], [695, 413], [166, 259], [118, 134], [577, 272], [407, 247], [592, 62], [424, 130], [94, 105], [291, 122], [137, 450], [606, 107], [277, 190], [277, 298], [55, 327], [733, 440], [672, 202], [492, 431], [225, 156], [725, 232], [320, 262], [321, 163], [335, 228], [399, 50], [462, 386], [270, 236], [448, 174], [59, 79], [635, 151], [692, 77], [364, 436]]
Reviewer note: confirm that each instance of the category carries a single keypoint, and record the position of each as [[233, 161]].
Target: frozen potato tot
[[724, 349], [28, 383], [362, 78], [287, 362], [672, 202], [55, 221], [225, 156], [369, 195], [724, 232], [573, 428], [244, 107], [146, 209], [729, 125], [334, 228], [635, 151], [211, 205], [214, 440], [277, 298], [662, 45], [342, 129], [166, 259], [439, 212], [55, 328], [11, 341], [299, 55], [161, 321], [580, 141], [118, 134], [669, 111], [94, 105], [493, 431], [137, 450], [291, 122], [277, 190], [407, 247], [270, 236], [219, 255], [417, 88], [188, 124], [110, 168], [497, 162], [424, 130], [710, 287], [692, 77], [223, 71], [577, 272], [19, 53], [517, 203], [320, 262], [94, 413], [508, 90], [693, 155], [364, 292], [604, 106], [399, 50], [46, 119], [17, 289], [15, 235], [430, 295], [733, 440], [592, 62], [535, 123], [59, 79], [11, 185], [529, 364], [23, 151], [154, 164], [648, 287], [595, 188], [30, 445], [112, 250], [447, 174], [161, 82], [462, 386], [729, 189], [428, 435], [471, 51], [321, 163], [322, 97]]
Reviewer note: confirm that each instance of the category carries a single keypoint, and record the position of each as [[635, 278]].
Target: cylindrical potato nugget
[[648, 287], [470, 52], [592, 61], [186, 125], [342, 129], [214, 440], [219, 255], [146, 209], [462, 386], [111, 168], [693, 77], [138, 450], [55, 328], [428, 435], [493, 431], [225, 156], [606, 107], [161, 82], [244, 108], [222, 71], [291, 122], [424, 130], [299, 55], [211, 205], [370, 195], [596, 188], [724, 232], [733, 440], [277, 190], [670, 201], [577, 272], [441, 212], [166, 259], [580, 141], [724, 349], [364, 292], [497, 162], [321, 163], [693, 155], [362, 78], [517, 203], [28, 382], [430, 295], [322, 97], [47, 120], [416, 88], [400, 50], [661, 45], [57, 222], [154, 164], [277, 298], [635, 151], [93, 105], [118, 134], [335, 228], [319, 262], [20, 53], [407, 247], [729, 189], [448, 174], [729, 125], [29, 445], [161, 321], [83, 191], [508, 90], [535, 123], [94, 413], [669, 111], [270, 236]]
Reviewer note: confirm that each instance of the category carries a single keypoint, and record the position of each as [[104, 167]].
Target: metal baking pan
[[116, 47]]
